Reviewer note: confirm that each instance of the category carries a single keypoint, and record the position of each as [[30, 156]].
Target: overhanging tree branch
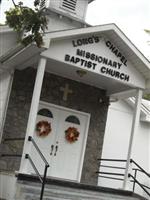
[[28, 23], [14, 3]]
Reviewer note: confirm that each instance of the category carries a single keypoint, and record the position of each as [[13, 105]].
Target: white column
[[6, 79], [33, 112], [135, 124]]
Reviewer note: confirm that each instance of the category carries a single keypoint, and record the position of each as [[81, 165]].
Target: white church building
[[71, 112]]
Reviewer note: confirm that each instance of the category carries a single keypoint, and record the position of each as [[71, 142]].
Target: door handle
[[56, 149], [52, 148]]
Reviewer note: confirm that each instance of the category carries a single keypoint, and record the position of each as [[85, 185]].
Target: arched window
[[45, 112], [72, 119]]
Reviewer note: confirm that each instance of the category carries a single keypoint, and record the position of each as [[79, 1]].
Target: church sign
[[89, 60], [107, 66], [97, 54]]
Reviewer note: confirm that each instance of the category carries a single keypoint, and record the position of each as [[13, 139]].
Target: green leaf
[[26, 20], [147, 97]]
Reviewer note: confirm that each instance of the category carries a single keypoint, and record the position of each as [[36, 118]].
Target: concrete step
[[65, 190]]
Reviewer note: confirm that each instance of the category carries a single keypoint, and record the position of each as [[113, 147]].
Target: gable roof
[[111, 31], [118, 37], [140, 62]]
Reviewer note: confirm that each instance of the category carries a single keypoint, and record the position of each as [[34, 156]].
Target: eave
[[20, 57], [145, 109], [139, 61]]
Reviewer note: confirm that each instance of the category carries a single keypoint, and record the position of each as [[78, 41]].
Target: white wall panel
[[116, 141], [5, 84]]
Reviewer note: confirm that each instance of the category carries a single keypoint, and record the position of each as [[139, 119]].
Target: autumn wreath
[[72, 134], [43, 128]]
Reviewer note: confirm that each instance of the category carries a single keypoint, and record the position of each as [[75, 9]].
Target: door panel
[[48, 140], [45, 143], [69, 155], [66, 159]]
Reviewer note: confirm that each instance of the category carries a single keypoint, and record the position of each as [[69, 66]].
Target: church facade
[[59, 95]]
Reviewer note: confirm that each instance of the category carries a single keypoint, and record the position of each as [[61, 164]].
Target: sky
[[131, 16]]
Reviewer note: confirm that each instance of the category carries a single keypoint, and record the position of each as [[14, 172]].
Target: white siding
[[8, 39], [81, 8], [116, 141]]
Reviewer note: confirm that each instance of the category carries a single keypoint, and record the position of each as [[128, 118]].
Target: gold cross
[[66, 91]]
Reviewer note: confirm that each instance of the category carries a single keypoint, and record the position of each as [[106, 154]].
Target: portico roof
[[114, 33], [118, 38], [140, 66]]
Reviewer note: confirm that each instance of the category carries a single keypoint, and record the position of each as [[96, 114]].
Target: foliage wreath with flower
[[43, 128], [72, 134]]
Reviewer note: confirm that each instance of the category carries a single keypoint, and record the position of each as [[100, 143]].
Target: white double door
[[65, 158]]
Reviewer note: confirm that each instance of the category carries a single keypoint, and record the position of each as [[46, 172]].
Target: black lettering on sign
[[114, 73], [81, 62], [84, 41], [67, 57], [116, 51], [98, 59]]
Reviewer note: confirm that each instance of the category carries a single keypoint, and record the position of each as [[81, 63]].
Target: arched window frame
[[47, 111], [73, 119]]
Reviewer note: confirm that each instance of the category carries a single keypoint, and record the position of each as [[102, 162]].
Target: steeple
[[74, 8]]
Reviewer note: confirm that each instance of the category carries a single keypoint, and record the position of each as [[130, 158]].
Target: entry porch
[[68, 84]]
